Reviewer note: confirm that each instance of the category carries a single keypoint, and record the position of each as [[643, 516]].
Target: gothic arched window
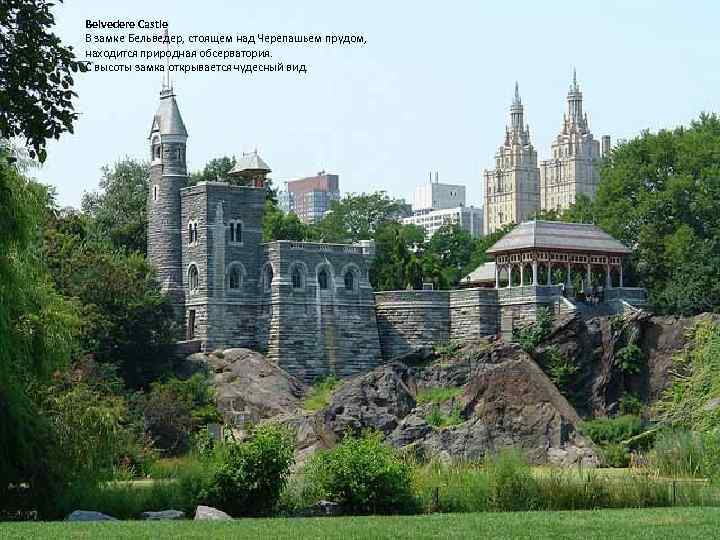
[[323, 279], [349, 281], [236, 232], [297, 278], [267, 277], [193, 278], [235, 278]]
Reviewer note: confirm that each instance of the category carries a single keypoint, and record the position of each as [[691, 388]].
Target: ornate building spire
[[516, 113], [575, 114]]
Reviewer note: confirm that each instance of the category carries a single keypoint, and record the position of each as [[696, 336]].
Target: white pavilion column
[[497, 276], [567, 276], [535, 273], [621, 275], [509, 269], [589, 276], [522, 274], [608, 276], [549, 273]]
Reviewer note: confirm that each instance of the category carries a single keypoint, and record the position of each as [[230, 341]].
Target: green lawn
[[674, 523]]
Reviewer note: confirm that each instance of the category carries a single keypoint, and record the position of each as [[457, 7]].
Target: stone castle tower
[[573, 168], [512, 187], [168, 174]]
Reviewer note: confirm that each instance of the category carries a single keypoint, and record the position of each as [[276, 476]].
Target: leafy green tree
[[38, 335], [448, 256], [126, 319], [214, 170], [358, 217], [119, 209], [277, 225], [398, 257], [35, 75]]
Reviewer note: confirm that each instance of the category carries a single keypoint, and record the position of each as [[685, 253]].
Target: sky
[[429, 91]]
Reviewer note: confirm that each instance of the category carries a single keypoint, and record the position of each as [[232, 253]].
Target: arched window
[[297, 277], [349, 281], [267, 277], [235, 277], [192, 232], [193, 278], [323, 279], [236, 232]]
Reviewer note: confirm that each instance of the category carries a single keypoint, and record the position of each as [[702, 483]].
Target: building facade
[[308, 307], [573, 167], [435, 195], [310, 198], [512, 188], [468, 218]]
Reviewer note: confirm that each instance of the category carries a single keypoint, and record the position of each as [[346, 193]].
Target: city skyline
[[435, 107]]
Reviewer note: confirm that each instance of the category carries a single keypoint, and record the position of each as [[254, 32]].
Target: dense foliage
[[249, 476], [35, 75], [364, 476]]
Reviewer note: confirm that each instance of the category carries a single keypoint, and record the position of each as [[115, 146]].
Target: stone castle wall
[[408, 320]]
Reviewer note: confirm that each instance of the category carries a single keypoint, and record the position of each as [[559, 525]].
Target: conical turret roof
[[167, 120]]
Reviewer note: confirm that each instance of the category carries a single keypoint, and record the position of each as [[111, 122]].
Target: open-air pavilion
[[550, 253]]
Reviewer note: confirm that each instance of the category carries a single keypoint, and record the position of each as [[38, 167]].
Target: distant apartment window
[[193, 278], [323, 279]]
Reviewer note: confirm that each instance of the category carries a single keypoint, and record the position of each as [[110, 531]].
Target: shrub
[[319, 395], [452, 487], [679, 452], [511, 483], [629, 359], [615, 455], [364, 476], [448, 348], [612, 430], [531, 335], [248, 477], [558, 367], [437, 418], [630, 404]]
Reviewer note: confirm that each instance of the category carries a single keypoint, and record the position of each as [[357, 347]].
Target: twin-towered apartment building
[[517, 188]]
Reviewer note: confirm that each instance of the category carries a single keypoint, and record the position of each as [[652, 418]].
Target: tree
[[214, 170], [119, 208], [448, 256], [38, 334], [357, 217], [398, 257], [127, 320], [277, 225], [658, 195], [35, 75]]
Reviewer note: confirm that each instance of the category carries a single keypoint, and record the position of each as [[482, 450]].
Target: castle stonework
[[309, 307]]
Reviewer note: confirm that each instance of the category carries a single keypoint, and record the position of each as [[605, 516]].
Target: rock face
[[208, 513], [250, 388], [85, 515], [378, 399]]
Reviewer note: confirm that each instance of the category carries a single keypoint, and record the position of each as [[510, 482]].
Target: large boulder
[[163, 515], [379, 400], [208, 513], [250, 388]]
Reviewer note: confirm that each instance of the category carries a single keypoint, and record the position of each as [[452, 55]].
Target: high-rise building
[[573, 168], [468, 218], [310, 198], [438, 196], [512, 188]]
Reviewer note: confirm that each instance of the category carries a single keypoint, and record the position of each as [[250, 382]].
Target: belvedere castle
[[517, 188], [309, 307]]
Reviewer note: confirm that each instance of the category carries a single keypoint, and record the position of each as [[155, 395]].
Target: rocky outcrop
[[86, 515], [163, 515], [377, 400], [249, 388]]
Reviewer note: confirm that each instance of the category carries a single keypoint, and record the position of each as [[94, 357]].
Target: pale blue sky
[[430, 90]]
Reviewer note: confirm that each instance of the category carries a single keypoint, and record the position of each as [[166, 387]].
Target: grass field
[[675, 523]]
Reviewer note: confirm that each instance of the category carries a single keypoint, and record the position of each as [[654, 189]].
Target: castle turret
[[168, 174]]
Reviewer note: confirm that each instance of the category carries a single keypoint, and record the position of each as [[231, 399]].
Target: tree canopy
[[36, 95]]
